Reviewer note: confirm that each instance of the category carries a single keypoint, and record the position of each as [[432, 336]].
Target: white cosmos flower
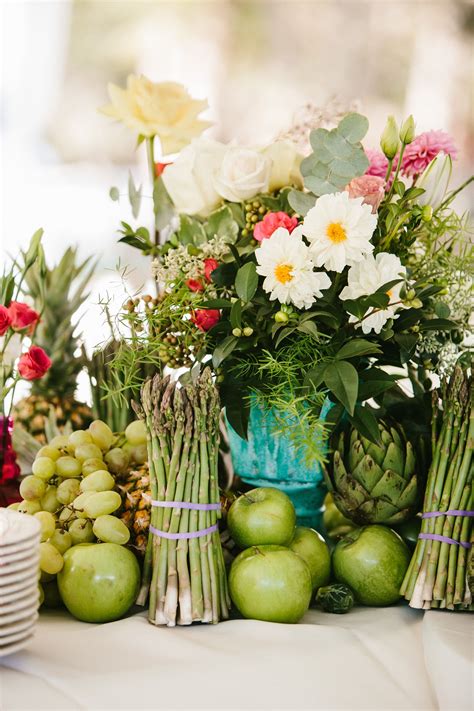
[[285, 262], [339, 229], [365, 277]]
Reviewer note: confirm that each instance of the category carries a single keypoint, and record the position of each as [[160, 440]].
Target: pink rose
[[209, 266], [22, 317], [34, 364], [420, 152], [205, 319], [271, 222], [5, 320], [369, 187]]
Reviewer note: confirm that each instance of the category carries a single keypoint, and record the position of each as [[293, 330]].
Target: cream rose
[[163, 109], [244, 172], [285, 161], [190, 179]]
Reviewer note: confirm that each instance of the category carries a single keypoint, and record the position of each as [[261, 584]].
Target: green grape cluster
[[255, 211], [72, 492]]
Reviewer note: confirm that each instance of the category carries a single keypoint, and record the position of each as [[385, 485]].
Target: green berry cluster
[[254, 211]]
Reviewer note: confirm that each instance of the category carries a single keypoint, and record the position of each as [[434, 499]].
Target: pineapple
[[52, 400]]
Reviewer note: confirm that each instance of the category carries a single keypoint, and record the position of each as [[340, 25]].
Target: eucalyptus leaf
[[114, 194], [301, 202], [162, 205], [134, 196]]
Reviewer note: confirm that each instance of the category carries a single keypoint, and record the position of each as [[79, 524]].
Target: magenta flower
[[419, 154], [378, 163]]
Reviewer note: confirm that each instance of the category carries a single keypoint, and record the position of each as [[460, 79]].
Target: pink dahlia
[[378, 163], [419, 154]]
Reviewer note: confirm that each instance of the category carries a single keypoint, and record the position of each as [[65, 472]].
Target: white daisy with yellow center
[[339, 229], [365, 277], [285, 262]]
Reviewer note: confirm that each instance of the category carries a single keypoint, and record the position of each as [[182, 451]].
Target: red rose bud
[[271, 222], [5, 320], [22, 317], [205, 319], [34, 364], [160, 168], [209, 266], [195, 284]]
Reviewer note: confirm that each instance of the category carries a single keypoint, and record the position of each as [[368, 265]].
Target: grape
[[102, 503], [98, 481], [68, 467], [59, 442], [51, 560], [111, 530], [117, 460], [79, 504], [50, 452], [67, 515], [77, 438], [87, 451], [44, 468], [102, 435], [48, 524], [68, 490], [14, 506], [29, 507], [61, 540], [140, 454], [41, 594], [92, 465], [81, 532], [32, 488], [50, 501], [45, 577], [136, 433]]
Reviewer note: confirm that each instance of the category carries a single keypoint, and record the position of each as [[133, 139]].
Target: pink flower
[[378, 163], [419, 154], [209, 266], [195, 285], [22, 317], [271, 222], [205, 319], [369, 187], [5, 320], [34, 364]]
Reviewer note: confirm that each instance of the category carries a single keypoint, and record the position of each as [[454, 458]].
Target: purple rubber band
[[177, 536], [444, 539], [454, 512], [186, 505]]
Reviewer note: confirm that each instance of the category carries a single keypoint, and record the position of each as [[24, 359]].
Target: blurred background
[[257, 61]]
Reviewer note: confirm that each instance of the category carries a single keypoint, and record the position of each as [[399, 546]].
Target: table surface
[[383, 659]]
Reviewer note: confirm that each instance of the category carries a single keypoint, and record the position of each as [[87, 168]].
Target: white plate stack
[[19, 596]]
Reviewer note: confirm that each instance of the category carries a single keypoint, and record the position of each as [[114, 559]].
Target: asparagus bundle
[[438, 573], [184, 571]]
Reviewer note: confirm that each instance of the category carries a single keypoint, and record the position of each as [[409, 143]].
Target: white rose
[[244, 173], [190, 179], [285, 168]]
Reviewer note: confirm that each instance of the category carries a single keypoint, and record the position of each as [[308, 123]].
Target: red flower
[[22, 317], [34, 364], [160, 168], [209, 266], [271, 222], [5, 320], [195, 284], [206, 318]]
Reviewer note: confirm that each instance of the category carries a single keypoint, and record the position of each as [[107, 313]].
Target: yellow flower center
[[283, 273], [336, 232]]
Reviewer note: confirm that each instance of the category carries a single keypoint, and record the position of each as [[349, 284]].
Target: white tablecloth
[[392, 658]]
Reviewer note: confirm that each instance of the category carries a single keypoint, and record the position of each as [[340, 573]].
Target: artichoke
[[373, 483]]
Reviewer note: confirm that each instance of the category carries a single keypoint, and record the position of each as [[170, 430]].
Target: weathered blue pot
[[270, 459]]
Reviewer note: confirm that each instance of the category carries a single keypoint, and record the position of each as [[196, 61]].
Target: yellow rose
[[164, 109]]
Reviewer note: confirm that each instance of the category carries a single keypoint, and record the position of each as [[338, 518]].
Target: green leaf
[[374, 382], [283, 334], [162, 205], [224, 275], [134, 195], [190, 231], [236, 314], [114, 194], [315, 376], [438, 324], [223, 350], [301, 202], [246, 281], [217, 304], [310, 328], [365, 422], [442, 310], [237, 407], [342, 380], [357, 347]]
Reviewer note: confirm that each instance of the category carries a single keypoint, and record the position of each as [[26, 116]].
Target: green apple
[[262, 516], [311, 546], [270, 583], [99, 581], [373, 561]]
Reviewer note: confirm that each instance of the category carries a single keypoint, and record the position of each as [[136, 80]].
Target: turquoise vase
[[268, 458]]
